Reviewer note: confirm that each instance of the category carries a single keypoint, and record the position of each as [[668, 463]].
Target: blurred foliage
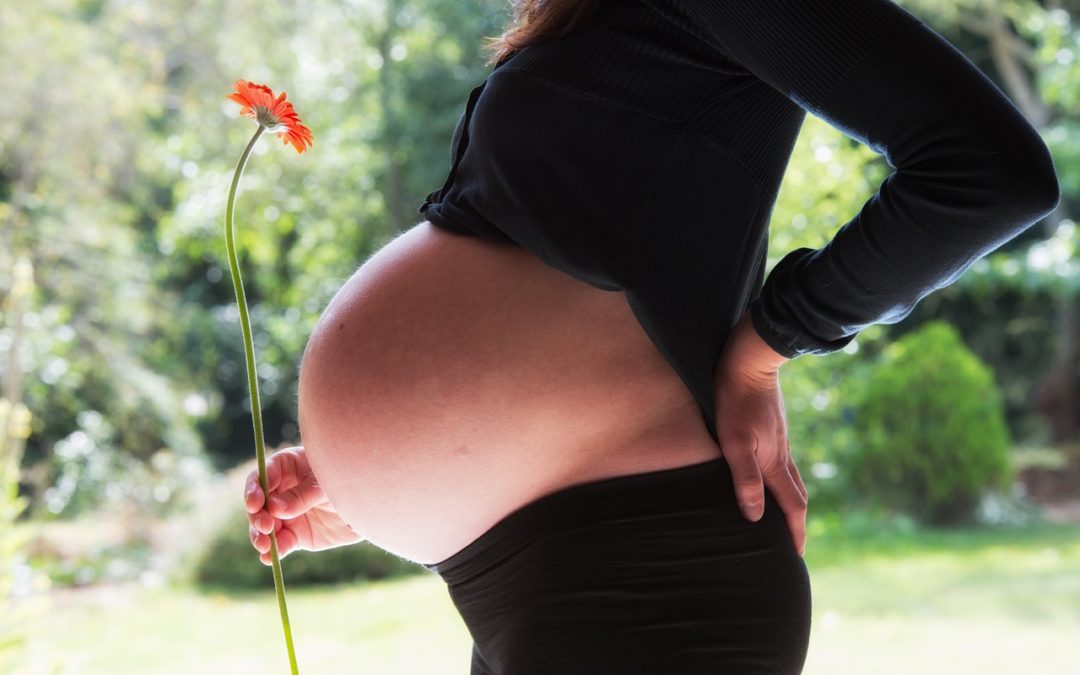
[[930, 433], [14, 428], [115, 157], [11, 541], [227, 559], [109, 563]]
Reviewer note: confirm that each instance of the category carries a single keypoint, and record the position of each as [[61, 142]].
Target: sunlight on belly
[[451, 379]]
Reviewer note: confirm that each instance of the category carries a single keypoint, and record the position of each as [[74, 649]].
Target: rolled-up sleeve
[[971, 172]]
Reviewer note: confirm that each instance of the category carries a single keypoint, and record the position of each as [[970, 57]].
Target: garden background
[[125, 430]]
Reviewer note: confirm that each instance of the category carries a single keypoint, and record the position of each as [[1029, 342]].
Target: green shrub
[[930, 429], [228, 559]]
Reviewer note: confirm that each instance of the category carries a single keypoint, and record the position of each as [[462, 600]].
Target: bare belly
[[452, 380]]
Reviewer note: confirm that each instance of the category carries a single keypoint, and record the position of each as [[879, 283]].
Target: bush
[[930, 429], [230, 560]]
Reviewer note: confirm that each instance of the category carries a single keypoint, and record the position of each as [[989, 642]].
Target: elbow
[[1047, 201], [1040, 193], [1028, 180], [1048, 196]]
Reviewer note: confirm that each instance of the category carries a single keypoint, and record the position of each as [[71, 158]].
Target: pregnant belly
[[452, 380]]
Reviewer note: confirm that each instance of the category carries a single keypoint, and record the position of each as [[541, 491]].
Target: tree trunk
[[1057, 397], [392, 189]]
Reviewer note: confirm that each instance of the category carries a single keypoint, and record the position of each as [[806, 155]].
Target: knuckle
[[753, 496], [738, 442], [748, 484], [772, 468], [775, 464]]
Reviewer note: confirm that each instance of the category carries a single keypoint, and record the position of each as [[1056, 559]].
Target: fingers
[[285, 469], [799, 537], [777, 472], [794, 471], [287, 541], [298, 499], [789, 493], [752, 432], [253, 493], [293, 491], [749, 491], [260, 541], [793, 504], [263, 522], [278, 467]]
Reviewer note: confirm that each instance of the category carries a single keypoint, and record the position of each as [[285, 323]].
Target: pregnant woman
[[560, 391]]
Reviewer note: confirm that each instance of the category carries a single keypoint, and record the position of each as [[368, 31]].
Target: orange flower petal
[[278, 114]]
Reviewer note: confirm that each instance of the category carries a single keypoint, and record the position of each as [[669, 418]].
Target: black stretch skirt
[[646, 573]]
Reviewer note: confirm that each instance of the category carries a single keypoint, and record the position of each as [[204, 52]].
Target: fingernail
[[753, 512], [277, 502]]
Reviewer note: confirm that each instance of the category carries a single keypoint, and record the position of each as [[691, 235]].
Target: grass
[[374, 628], [886, 600], [968, 601]]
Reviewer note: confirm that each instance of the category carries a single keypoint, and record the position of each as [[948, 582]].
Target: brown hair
[[538, 20]]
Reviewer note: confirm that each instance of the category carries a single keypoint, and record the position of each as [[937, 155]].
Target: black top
[[644, 153]]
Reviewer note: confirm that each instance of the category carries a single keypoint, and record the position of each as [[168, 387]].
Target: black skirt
[[647, 573]]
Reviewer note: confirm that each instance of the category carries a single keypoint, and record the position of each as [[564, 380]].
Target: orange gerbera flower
[[276, 114]]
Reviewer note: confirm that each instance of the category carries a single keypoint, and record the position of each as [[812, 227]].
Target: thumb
[[297, 500]]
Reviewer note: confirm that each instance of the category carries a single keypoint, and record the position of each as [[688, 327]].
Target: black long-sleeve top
[[644, 153]]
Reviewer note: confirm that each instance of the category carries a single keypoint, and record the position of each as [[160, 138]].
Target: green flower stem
[[253, 387]]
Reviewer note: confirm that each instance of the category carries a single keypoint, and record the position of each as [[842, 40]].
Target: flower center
[[266, 118]]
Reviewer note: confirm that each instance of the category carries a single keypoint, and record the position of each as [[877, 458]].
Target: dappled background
[[942, 454]]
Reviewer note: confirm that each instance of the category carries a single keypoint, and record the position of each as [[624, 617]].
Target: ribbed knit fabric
[[644, 153]]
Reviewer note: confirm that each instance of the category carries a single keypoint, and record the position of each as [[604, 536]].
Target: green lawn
[[986, 602]]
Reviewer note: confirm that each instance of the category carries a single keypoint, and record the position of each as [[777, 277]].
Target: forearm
[[971, 171]]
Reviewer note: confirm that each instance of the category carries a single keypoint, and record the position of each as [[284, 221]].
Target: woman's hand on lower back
[[299, 512], [752, 426]]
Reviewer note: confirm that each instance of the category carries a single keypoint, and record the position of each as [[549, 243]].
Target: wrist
[[754, 350]]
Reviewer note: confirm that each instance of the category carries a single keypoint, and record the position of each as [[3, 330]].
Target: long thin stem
[[253, 387]]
